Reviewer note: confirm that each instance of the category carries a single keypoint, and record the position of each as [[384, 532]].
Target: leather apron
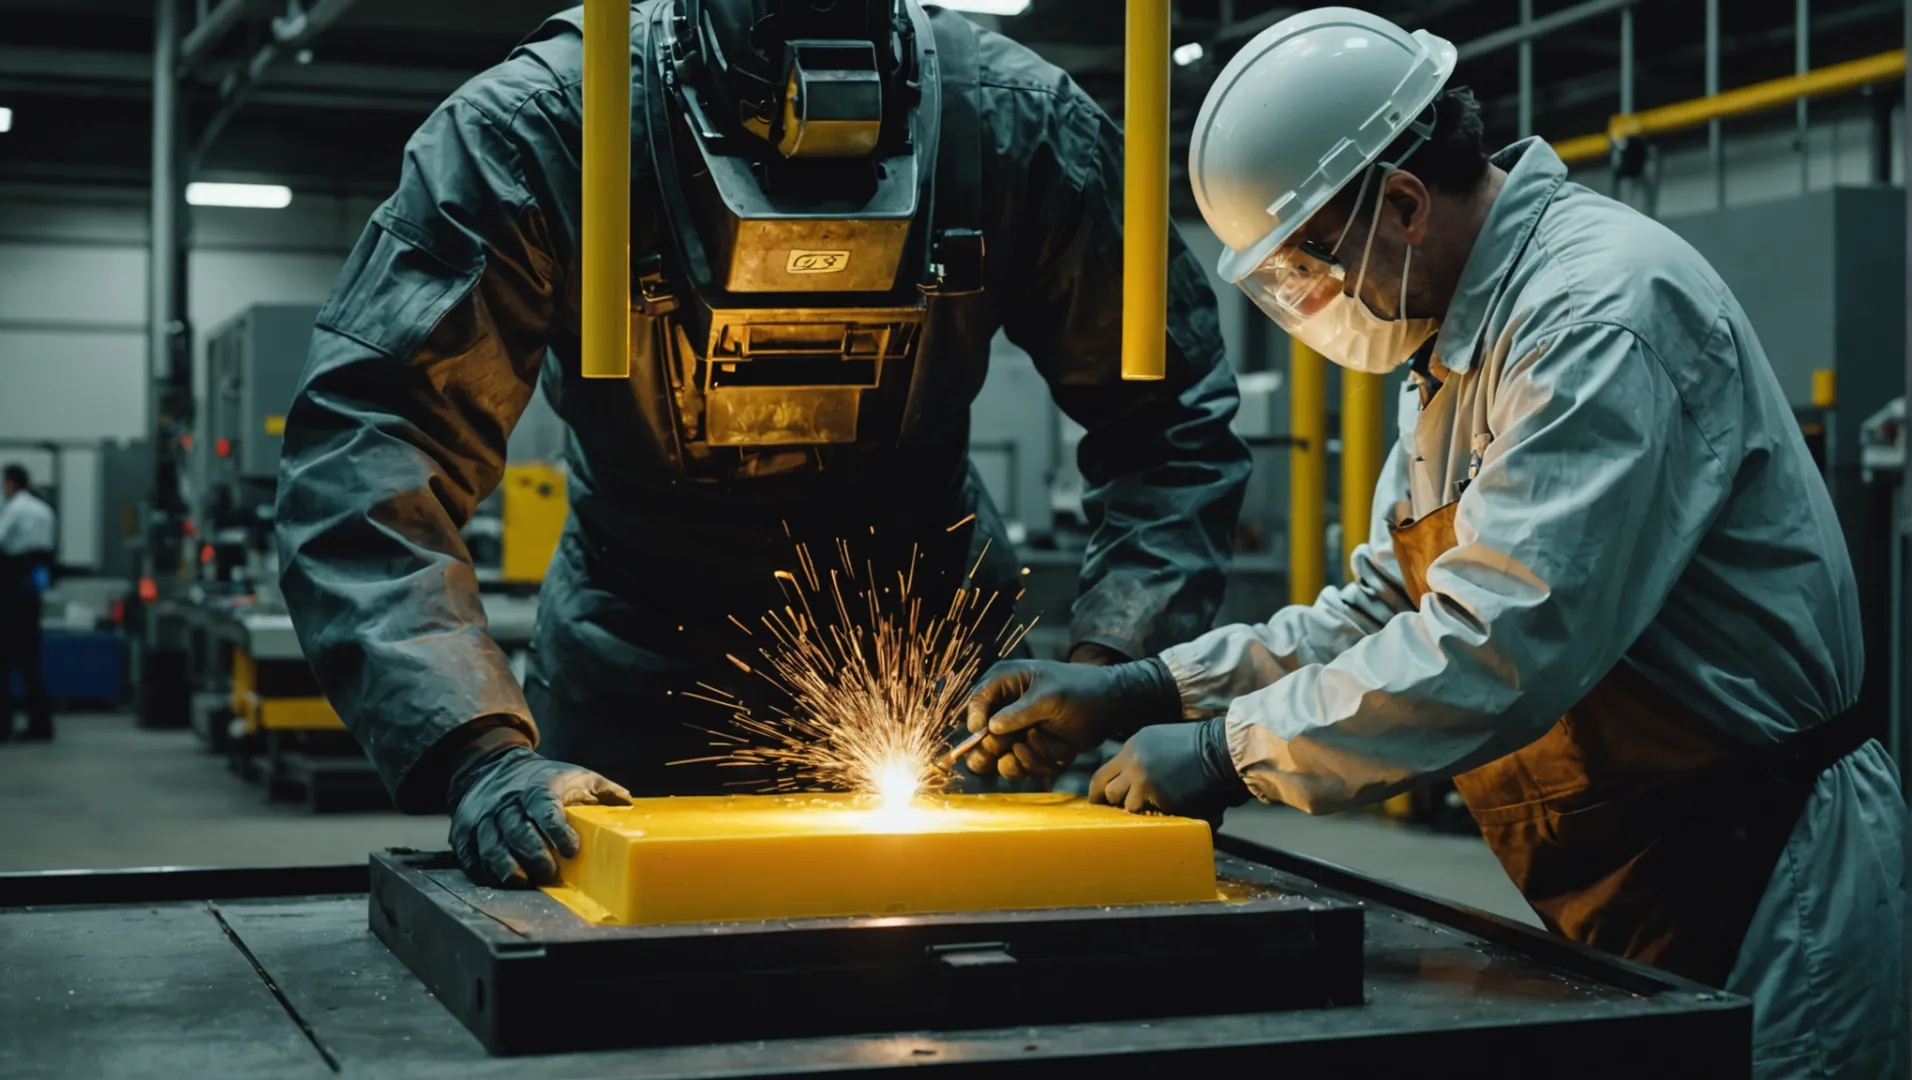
[[1634, 825]]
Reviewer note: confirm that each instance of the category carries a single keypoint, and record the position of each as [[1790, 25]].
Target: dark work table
[[273, 973]]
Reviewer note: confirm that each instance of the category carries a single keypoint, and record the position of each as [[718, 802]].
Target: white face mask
[[1339, 325], [1348, 332]]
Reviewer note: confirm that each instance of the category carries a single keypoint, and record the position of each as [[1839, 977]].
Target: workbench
[[248, 973]]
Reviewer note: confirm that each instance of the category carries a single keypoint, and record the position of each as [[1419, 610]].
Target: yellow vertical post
[[1360, 457], [1307, 473], [1145, 192], [604, 329]]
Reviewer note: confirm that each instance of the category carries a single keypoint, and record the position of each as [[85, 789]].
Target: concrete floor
[[108, 794]]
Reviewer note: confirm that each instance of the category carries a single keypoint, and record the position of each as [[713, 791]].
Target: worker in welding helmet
[[1609, 597], [835, 210]]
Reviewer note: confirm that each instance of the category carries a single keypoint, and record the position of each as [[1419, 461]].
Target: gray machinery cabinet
[[1822, 276]]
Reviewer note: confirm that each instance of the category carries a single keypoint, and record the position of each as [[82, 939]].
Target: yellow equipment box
[[280, 711], [748, 857], [535, 506]]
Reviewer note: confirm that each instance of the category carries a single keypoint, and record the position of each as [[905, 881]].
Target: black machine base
[[527, 976]]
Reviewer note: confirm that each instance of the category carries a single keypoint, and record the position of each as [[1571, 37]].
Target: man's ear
[[1409, 203]]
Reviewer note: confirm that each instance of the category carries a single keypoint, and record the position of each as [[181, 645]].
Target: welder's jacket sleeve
[[1165, 473], [422, 360]]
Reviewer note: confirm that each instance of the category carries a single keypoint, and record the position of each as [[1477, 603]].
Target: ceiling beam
[[71, 70], [207, 32]]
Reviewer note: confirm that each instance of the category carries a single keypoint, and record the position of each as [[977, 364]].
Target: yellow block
[[290, 714], [534, 512], [750, 857], [244, 676], [1825, 388]]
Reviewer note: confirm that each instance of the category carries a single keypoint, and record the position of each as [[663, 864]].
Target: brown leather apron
[[1634, 825]]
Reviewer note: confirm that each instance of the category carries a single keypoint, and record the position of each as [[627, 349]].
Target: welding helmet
[[794, 146], [806, 76], [1301, 112]]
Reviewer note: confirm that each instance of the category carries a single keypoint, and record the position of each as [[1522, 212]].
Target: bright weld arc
[[874, 692]]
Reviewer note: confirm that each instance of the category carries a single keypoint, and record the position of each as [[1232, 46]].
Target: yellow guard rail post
[[604, 322], [1360, 458], [1145, 192], [1307, 473]]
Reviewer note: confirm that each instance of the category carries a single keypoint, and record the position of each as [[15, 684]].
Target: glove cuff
[[1149, 697], [1219, 764], [474, 758]]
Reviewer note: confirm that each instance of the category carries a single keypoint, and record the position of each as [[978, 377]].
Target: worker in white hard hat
[[1611, 602]]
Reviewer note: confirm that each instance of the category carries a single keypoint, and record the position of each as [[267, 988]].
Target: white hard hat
[[1299, 112]]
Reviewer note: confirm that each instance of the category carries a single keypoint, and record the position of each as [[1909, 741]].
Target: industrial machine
[[220, 649], [1882, 440], [253, 363], [1837, 359]]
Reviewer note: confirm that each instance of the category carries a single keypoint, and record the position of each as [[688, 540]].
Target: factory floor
[[108, 794]]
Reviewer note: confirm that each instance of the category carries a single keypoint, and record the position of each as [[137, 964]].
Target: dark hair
[[15, 475], [1452, 160]]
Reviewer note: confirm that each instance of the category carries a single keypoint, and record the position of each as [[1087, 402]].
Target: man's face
[[1404, 206], [9, 489]]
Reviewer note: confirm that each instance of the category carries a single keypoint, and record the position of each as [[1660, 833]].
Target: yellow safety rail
[[1698, 112], [604, 329], [1307, 473], [1145, 193], [1361, 455]]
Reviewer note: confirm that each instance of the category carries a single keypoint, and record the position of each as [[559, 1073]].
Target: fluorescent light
[[251, 196], [6, 119], [1185, 55], [985, 7]]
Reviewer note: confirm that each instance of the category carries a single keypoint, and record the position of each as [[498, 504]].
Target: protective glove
[[507, 813], [1179, 769], [1041, 714]]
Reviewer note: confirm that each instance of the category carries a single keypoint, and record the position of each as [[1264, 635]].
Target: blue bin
[[82, 667]]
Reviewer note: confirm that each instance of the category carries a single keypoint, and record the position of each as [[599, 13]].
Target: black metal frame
[[526, 976], [1446, 988], [165, 884], [150, 885], [1550, 949]]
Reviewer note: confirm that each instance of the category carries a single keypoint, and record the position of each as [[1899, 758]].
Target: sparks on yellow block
[[746, 857]]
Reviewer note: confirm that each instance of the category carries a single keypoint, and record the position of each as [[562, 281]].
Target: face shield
[[1304, 287]]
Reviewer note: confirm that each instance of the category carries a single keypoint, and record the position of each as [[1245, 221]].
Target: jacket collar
[[1534, 175]]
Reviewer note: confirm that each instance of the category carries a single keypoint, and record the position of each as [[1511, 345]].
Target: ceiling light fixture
[[1185, 55], [986, 7], [249, 196], [6, 119]]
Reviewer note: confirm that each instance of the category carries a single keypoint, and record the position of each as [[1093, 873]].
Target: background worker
[[781, 391], [1612, 601], [28, 545]]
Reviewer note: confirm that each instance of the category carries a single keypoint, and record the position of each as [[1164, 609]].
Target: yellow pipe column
[[1145, 192], [604, 325], [1307, 473], [1361, 455]]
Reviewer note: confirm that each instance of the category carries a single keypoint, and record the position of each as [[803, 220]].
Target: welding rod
[[966, 746]]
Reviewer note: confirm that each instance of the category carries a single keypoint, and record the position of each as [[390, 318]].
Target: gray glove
[[1181, 769], [1041, 714], [507, 813]]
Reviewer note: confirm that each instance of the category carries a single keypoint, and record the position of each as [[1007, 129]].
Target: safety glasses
[[1297, 281]]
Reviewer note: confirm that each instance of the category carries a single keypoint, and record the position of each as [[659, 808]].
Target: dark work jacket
[[463, 293]]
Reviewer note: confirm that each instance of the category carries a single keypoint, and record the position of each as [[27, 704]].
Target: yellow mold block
[[749, 857]]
